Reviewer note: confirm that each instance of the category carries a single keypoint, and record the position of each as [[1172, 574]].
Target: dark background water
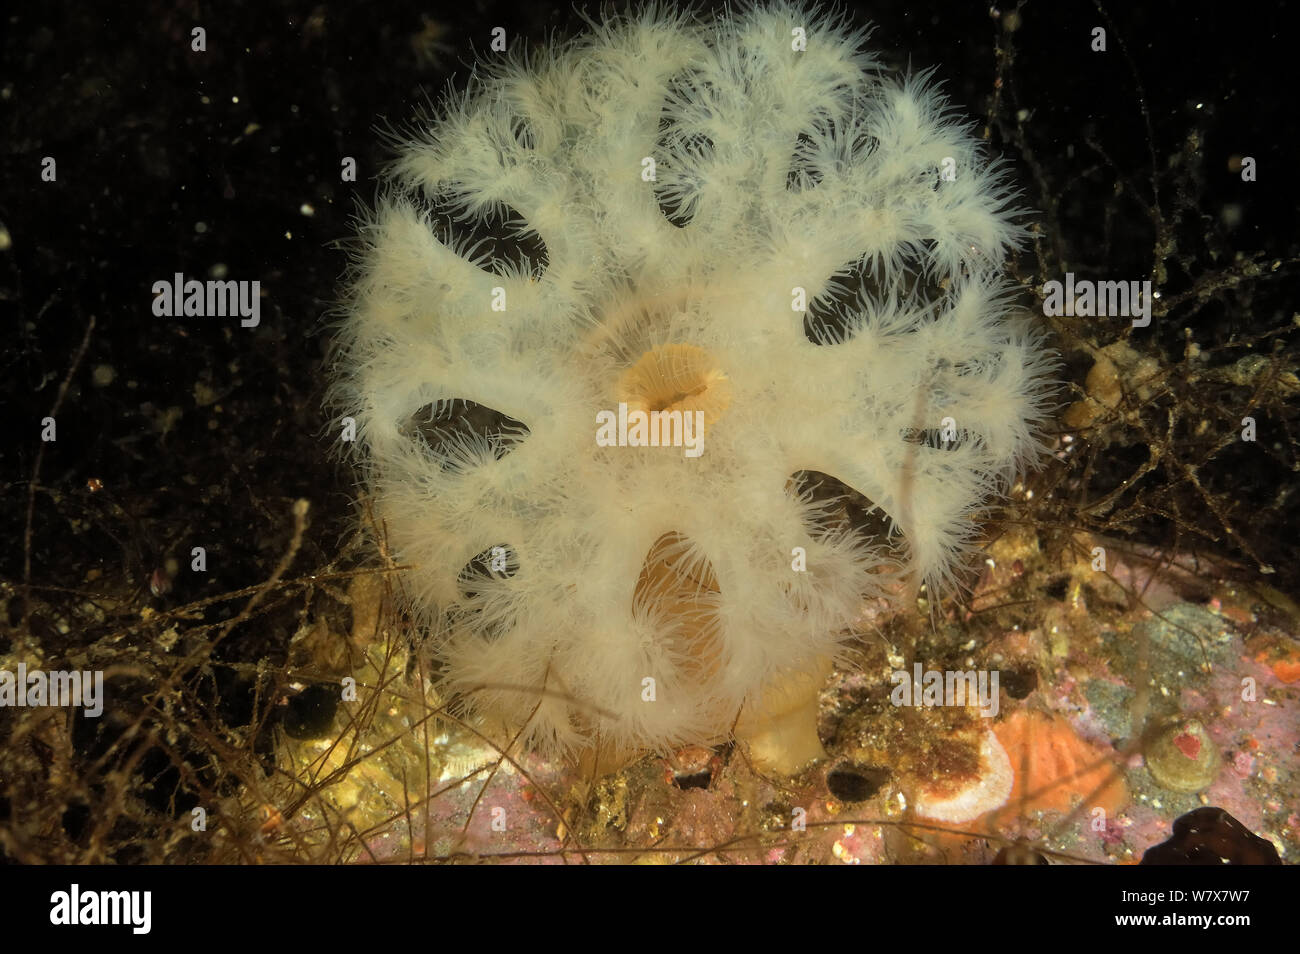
[[171, 161], [178, 432]]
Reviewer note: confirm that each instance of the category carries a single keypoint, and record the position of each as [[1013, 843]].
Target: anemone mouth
[[676, 377]]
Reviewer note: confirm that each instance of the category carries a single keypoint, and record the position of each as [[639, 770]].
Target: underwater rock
[[1210, 836]]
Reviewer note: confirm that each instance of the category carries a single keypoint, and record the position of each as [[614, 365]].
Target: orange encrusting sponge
[[1054, 768]]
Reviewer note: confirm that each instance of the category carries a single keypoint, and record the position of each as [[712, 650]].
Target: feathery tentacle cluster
[[746, 220]]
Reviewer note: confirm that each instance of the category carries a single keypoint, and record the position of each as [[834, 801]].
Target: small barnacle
[[1181, 756]]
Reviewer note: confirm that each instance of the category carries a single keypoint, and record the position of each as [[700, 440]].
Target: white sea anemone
[[744, 218]]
